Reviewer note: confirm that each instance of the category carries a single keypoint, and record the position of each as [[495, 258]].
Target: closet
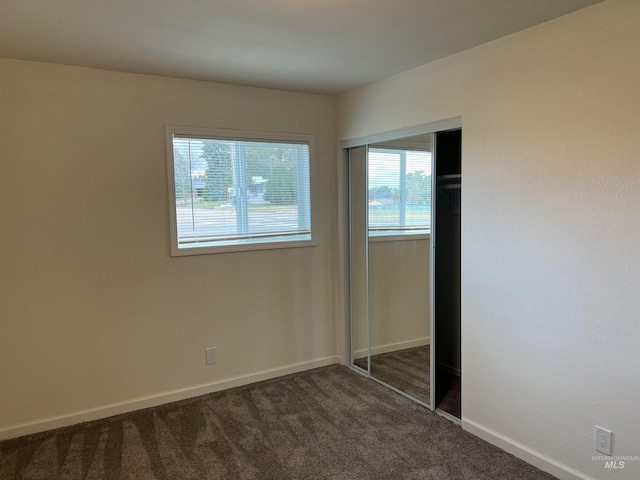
[[446, 263], [403, 210]]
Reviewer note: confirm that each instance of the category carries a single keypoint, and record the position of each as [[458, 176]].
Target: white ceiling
[[320, 46]]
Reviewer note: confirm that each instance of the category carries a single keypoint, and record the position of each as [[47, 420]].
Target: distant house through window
[[238, 190]]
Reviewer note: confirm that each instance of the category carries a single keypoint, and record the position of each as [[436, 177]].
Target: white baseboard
[[44, 424], [393, 347], [537, 459]]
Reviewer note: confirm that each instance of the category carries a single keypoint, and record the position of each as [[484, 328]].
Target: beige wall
[[93, 309], [550, 228], [398, 294]]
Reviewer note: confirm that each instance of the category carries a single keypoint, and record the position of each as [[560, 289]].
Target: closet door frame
[[425, 128]]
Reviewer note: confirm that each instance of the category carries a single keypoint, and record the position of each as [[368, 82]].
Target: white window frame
[[242, 135]]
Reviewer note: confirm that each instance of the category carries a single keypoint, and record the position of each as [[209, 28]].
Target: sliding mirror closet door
[[358, 258], [399, 217], [404, 292]]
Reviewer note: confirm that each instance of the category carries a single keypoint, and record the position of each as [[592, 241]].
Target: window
[[399, 183], [234, 190]]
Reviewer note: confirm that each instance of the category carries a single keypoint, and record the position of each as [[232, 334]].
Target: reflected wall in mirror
[[399, 315], [358, 257], [399, 222]]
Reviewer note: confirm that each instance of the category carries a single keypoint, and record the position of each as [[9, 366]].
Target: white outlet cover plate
[[603, 440], [210, 355]]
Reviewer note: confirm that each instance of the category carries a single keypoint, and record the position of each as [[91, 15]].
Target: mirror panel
[[358, 258], [399, 216]]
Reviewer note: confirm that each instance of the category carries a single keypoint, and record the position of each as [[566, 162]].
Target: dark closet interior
[[447, 272]]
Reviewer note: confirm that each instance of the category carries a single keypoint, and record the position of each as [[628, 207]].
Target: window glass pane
[[418, 185], [238, 191], [399, 191]]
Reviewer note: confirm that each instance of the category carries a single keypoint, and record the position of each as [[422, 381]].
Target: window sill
[[399, 237], [188, 251]]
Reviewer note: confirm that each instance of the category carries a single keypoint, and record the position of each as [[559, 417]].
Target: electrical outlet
[[603, 440], [210, 355]]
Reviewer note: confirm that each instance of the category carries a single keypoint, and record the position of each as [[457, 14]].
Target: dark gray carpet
[[328, 423], [407, 370]]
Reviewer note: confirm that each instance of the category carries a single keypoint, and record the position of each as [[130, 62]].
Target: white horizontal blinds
[[384, 189], [399, 183], [240, 191]]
